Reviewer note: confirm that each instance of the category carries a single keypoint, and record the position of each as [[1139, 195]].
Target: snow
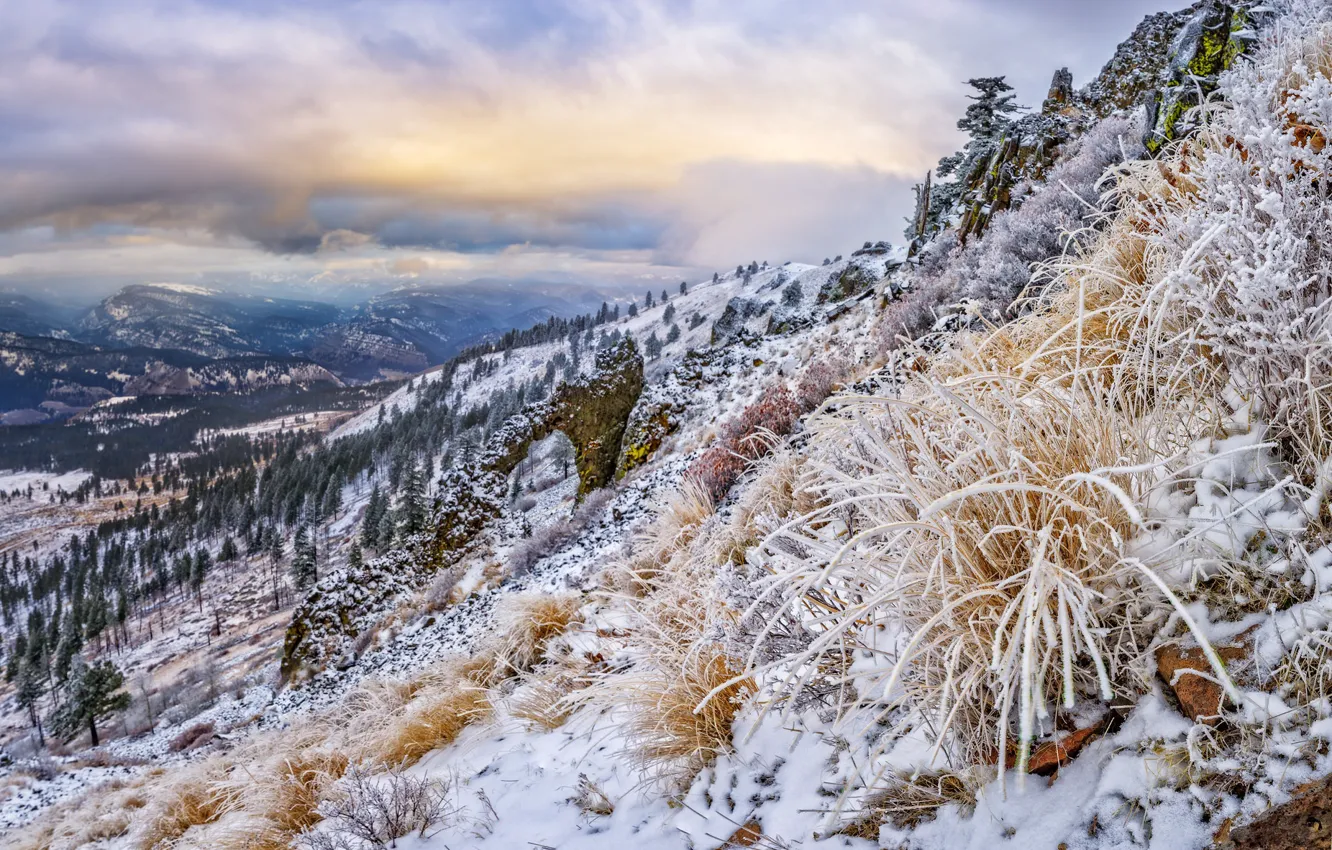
[[1213, 521], [11, 480], [183, 288]]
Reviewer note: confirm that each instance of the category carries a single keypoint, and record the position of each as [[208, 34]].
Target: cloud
[[409, 266], [343, 240], [730, 212], [694, 133]]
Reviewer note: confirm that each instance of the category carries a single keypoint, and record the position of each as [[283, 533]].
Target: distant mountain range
[[43, 378], [29, 316], [152, 338]]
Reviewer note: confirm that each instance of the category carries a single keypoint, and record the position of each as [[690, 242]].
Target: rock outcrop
[[592, 411], [1208, 43], [1304, 823]]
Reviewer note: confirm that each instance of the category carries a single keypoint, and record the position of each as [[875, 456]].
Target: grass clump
[[431, 721]]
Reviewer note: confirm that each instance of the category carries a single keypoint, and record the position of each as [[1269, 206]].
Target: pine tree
[[202, 562], [304, 565], [92, 691], [30, 690], [370, 521], [276, 551], [991, 109], [633, 309], [228, 552], [384, 532], [355, 559], [70, 644], [412, 502], [332, 500]]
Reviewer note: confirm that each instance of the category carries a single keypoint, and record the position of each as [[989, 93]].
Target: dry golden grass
[[184, 800], [261, 796], [104, 813], [680, 710], [526, 625], [990, 520], [433, 720], [676, 524], [285, 798], [542, 701], [774, 495], [907, 801]]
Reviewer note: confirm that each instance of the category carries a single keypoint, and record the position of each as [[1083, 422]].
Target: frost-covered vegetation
[[854, 588]]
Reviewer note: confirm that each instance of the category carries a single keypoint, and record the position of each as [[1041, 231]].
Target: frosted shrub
[[550, 538], [819, 379], [368, 811], [970, 554], [1237, 218], [995, 269], [745, 440]]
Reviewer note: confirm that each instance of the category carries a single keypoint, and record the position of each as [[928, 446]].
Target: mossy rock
[[1208, 44], [853, 280]]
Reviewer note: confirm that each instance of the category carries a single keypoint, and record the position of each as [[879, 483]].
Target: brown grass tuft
[[184, 802], [432, 721], [526, 624], [543, 701], [675, 727]]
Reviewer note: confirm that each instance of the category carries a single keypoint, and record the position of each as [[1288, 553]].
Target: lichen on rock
[[1208, 43]]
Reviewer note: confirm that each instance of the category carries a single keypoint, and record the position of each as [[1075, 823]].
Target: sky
[[337, 148]]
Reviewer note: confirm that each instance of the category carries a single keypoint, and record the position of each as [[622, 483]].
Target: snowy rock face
[[592, 411]]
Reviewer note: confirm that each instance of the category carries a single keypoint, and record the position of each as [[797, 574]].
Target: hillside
[[1018, 533], [394, 334], [44, 378]]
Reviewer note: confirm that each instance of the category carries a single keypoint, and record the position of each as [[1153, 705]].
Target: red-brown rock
[[1199, 697], [1052, 755], [746, 836], [1304, 823]]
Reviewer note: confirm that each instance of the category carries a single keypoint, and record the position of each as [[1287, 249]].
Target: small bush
[[549, 539], [819, 380], [195, 736], [744, 440], [372, 811], [439, 593]]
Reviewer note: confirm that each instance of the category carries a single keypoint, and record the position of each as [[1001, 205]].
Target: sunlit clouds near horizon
[[335, 144]]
